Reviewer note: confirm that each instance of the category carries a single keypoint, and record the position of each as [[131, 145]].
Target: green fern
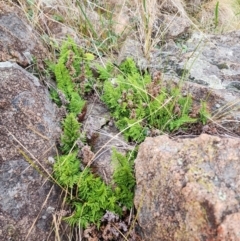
[[93, 197], [63, 78], [76, 103], [55, 97], [133, 130], [93, 193], [104, 72], [129, 67], [123, 179], [139, 104], [66, 170], [176, 124], [73, 74], [71, 132], [90, 196]]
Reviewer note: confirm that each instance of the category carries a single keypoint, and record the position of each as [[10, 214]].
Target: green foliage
[[204, 113], [123, 179], [55, 97], [132, 129], [71, 132], [76, 103], [139, 103], [105, 72], [92, 196], [66, 170], [73, 75]]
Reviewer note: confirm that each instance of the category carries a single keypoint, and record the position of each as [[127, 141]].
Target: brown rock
[[173, 26], [18, 41], [28, 130], [188, 189]]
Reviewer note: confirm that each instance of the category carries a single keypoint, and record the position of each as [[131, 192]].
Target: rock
[[172, 26], [132, 48], [193, 6], [28, 130], [172, 7], [103, 137], [223, 106], [172, 21], [188, 189], [210, 60], [18, 41]]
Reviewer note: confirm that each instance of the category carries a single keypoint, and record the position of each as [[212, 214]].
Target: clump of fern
[[139, 102], [73, 75], [90, 196]]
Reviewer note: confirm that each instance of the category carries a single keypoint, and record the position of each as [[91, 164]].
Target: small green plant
[[71, 133], [204, 113], [90, 197], [123, 179], [140, 103], [73, 75]]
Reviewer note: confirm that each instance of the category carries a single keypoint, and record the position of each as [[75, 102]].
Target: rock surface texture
[[210, 60], [103, 137], [18, 42], [28, 131], [188, 189]]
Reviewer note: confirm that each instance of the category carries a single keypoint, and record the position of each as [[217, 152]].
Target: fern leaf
[[66, 170], [70, 132], [76, 103]]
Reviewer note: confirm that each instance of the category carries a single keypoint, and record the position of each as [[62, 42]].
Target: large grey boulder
[[188, 189], [28, 131]]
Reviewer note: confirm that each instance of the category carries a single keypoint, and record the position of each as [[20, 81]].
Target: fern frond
[[55, 97], [124, 179], [105, 73], [67, 170], [76, 103], [129, 67], [71, 132], [175, 124]]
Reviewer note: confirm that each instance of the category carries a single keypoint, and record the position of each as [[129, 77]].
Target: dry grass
[[227, 15], [104, 25]]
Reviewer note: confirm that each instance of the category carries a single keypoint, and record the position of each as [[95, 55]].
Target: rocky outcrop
[[188, 189], [210, 60], [28, 131], [18, 41], [213, 60]]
